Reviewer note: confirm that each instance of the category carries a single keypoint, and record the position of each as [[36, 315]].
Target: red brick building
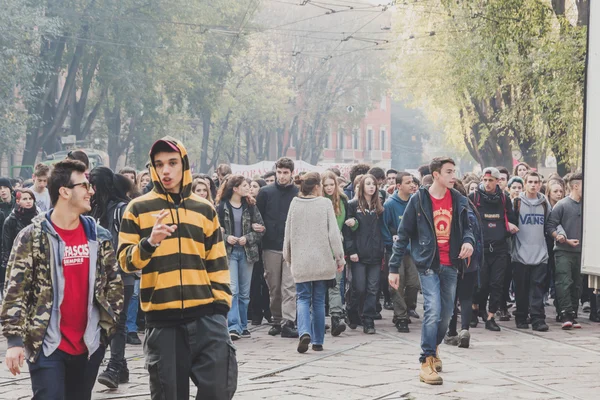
[[369, 142]]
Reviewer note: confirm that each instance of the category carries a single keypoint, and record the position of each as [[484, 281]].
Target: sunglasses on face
[[86, 185]]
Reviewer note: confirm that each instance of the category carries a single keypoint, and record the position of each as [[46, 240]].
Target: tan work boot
[[428, 373], [438, 360]]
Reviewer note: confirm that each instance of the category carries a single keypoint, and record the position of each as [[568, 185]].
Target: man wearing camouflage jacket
[[63, 292]]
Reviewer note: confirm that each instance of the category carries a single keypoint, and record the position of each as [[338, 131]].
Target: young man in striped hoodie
[[174, 237]]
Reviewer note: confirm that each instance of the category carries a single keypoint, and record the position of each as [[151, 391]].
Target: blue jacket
[[417, 229], [394, 208], [349, 191]]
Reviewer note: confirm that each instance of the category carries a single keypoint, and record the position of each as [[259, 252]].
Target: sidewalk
[[512, 364]]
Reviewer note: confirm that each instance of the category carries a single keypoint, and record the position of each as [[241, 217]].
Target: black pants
[[365, 282], [259, 294], [508, 278], [117, 344], [384, 286], [464, 293], [200, 350], [529, 291], [62, 376], [589, 293], [492, 281]]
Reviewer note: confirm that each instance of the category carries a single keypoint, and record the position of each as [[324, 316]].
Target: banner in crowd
[[260, 168]]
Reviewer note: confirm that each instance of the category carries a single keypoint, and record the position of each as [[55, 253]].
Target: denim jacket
[[417, 229]]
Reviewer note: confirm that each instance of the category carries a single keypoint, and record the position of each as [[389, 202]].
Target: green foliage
[[498, 75]]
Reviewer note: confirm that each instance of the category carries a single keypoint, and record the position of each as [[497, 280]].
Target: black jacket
[[273, 202], [11, 228], [496, 211], [367, 240], [6, 208], [417, 228]]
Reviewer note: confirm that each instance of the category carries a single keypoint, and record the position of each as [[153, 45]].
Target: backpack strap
[[503, 196], [477, 199], [517, 209]]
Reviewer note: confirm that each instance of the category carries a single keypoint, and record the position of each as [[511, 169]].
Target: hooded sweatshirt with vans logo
[[529, 244], [187, 276]]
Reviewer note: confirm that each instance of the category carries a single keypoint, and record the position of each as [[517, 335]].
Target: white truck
[[591, 146]]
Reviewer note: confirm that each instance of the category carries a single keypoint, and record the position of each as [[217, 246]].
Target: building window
[[340, 137], [369, 139], [355, 138], [328, 139], [382, 133], [383, 104]]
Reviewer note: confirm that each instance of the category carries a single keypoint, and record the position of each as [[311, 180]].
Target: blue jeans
[[241, 278], [439, 290], [132, 310], [62, 376], [311, 293]]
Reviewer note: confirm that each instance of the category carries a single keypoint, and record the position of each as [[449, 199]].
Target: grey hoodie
[[529, 244]]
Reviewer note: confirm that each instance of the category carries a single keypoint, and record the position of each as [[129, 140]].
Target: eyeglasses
[[86, 185]]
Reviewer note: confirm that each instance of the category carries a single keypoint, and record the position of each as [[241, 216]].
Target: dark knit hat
[[5, 182]]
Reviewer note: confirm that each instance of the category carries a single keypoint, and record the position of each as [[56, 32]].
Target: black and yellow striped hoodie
[[187, 276]]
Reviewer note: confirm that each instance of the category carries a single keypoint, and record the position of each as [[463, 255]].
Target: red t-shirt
[[73, 310], [442, 220]]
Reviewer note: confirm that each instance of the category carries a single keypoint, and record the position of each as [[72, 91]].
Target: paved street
[[507, 365]]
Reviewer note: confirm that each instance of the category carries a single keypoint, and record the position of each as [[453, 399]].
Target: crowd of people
[[89, 258]]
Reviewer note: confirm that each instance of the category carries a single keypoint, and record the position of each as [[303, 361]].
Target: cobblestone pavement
[[512, 364]]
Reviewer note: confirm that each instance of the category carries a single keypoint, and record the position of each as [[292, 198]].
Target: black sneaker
[[246, 334], [256, 322], [413, 313], [474, 319], [352, 321], [234, 335], [464, 338], [594, 317], [368, 327], [133, 338], [378, 316], [539, 326], [289, 331], [275, 330], [124, 375], [303, 343], [402, 325], [388, 306], [491, 325], [337, 326], [522, 325], [110, 377], [504, 315], [317, 347], [451, 340]]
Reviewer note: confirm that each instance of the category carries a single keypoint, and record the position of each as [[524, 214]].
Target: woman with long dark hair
[[313, 247], [331, 190], [18, 219], [108, 206], [237, 213], [366, 249], [260, 302]]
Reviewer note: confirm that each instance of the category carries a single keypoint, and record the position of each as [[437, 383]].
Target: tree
[[18, 63], [498, 75]]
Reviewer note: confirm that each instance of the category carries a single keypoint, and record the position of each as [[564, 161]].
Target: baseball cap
[[491, 171], [163, 145]]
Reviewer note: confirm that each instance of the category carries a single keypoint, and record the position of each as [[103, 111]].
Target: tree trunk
[[204, 162]]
